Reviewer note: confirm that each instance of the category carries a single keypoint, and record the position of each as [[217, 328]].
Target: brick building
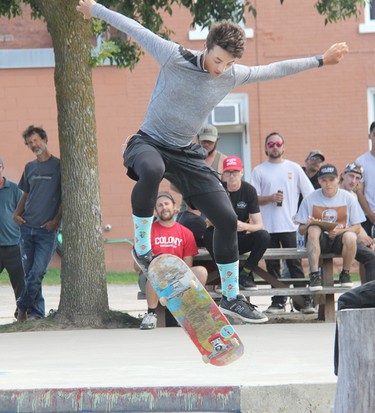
[[328, 108]]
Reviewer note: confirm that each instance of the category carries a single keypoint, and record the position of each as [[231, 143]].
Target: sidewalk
[[286, 367]]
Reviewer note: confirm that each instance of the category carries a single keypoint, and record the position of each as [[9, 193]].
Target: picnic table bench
[[272, 286]]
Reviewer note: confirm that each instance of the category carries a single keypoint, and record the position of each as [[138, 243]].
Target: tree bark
[[84, 298]]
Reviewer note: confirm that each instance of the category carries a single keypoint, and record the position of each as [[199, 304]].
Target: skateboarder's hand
[[84, 7], [335, 53]]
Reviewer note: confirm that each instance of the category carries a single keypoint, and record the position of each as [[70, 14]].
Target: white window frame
[[369, 25]]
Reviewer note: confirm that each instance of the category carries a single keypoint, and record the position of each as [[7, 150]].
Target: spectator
[[251, 234], [190, 84], [350, 181], [312, 164], [183, 246], [331, 204], [208, 139], [10, 256], [366, 194], [38, 214], [279, 208], [192, 218]]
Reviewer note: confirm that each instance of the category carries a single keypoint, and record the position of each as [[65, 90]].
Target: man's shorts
[[329, 245], [185, 167]]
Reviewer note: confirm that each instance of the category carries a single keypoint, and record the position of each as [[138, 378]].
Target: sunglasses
[[272, 144], [316, 158], [233, 173]]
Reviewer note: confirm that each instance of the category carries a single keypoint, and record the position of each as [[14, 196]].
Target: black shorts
[[185, 167], [329, 245]]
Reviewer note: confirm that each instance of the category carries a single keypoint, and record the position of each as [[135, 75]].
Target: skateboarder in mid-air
[[189, 86]]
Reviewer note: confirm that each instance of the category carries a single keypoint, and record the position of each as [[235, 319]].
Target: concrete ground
[[287, 367]]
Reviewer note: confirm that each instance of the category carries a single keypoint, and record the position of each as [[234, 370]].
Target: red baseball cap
[[232, 163]]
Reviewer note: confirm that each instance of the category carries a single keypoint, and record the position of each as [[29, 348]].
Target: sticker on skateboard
[[195, 310]]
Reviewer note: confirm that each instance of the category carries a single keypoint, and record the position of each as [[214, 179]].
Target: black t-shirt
[[244, 201]]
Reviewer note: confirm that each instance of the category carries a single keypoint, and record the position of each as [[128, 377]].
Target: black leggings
[[216, 206]]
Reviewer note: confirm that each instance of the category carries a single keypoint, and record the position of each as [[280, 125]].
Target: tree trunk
[[84, 299]]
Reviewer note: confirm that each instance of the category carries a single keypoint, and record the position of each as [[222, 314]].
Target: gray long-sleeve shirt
[[184, 94]]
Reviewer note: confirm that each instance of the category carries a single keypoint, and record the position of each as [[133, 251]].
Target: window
[[369, 25]]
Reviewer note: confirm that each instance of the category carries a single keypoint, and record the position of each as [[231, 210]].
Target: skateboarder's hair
[[228, 36]]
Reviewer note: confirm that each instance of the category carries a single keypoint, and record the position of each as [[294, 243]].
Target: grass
[[53, 277], [124, 278]]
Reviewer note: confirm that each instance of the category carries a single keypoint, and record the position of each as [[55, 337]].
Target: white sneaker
[[149, 321]]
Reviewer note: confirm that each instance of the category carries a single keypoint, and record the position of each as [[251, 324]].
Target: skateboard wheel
[[163, 301], [235, 342], [193, 284], [205, 359]]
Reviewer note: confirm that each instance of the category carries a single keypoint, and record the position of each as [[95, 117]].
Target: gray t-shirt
[[184, 94], [42, 182], [342, 208], [10, 195]]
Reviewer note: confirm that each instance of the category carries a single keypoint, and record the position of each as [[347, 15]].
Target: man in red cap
[[252, 237]]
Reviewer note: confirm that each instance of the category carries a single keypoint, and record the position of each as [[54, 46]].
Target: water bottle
[[300, 240]]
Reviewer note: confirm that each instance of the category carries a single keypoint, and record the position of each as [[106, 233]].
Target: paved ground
[[128, 369]]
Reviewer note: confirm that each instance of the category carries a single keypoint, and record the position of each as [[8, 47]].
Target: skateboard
[[194, 309]]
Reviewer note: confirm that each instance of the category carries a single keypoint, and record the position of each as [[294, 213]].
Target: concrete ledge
[[292, 398]]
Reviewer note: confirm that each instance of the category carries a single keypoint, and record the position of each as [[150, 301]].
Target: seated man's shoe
[[308, 307], [276, 308], [345, 279], [149, 321], [247, 282], [143, 261], [21, 315], [315, 281], [243, 310]]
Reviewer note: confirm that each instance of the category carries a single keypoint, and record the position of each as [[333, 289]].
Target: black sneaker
[[247, 282], [345, 280], [243, 310], [308, 307], [315, 281], [276, 308], [143, 261]]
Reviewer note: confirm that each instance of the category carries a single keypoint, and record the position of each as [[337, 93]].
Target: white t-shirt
[[289, 177], [342, 208], [367, 161]]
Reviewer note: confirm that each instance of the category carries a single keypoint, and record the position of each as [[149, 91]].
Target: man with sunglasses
[[350, 180], [279, 183], [189, 86]]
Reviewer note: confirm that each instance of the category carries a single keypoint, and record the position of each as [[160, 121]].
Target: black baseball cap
[[327, 170], [167, 195]]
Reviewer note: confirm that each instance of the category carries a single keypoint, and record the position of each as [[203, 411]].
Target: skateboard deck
[[194, 309]]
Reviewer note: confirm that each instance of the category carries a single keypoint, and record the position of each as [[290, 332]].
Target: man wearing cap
[[252, 237], [10, 256], [169, 237], [332, 204], [366, 194], [279, 183], [350, 180], [312, 164], [208, 139]]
